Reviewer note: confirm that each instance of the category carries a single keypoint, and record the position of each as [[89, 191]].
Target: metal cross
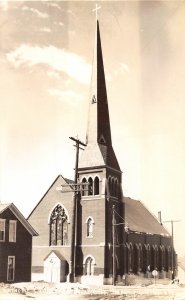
[[96, 10]]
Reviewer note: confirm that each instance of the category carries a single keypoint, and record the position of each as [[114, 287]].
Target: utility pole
[[114, 224], [172, 245], [113, 247], [74, 219]]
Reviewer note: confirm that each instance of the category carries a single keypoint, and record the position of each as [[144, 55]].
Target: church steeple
[[98, 122], [99, 149]]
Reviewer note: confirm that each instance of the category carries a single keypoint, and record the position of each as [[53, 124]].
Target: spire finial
[[96, 10]]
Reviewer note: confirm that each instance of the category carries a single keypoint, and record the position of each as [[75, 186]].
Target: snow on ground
[[76, 291]]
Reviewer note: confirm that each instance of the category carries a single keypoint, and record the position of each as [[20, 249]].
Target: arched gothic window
[[90, 227], [136, 258], [90, 187], [96, 186], [112, 187], [130, 257], [89, 266], [109, 185], [58, 227], [84, 187], [161, 258], [116, 188], [154, 255], [168, 258]]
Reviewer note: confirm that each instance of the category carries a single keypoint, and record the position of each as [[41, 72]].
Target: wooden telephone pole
[[73, 225], [113, 247], [172, 245], [76, 189]]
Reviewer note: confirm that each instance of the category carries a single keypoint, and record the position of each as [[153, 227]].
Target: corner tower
[[100, 174]]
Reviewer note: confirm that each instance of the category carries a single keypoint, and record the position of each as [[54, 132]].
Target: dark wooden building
[[15, 245], [114, 235]]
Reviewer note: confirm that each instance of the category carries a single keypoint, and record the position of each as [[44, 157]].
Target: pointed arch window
[[110, 186], [90, 187], [90, 223], [84, 186], [89, 266], [96, 186], [116, 188], [161, 258], [130, 257], [58, 227]]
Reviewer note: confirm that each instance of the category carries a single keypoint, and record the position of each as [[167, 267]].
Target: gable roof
[[68, 181], [57, 253], [19, 216], [140, 219]]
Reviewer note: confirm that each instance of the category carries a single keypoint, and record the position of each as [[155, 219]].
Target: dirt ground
[[76, 291]]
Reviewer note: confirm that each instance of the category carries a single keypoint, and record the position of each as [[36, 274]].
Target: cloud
[[4, 5], [57, 59], [125, 67], [65, 95], [54, 5], [36, 11], [59, 23], [53, 74], [45, 29]]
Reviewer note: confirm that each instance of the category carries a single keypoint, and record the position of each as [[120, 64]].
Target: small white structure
[[55, 268]]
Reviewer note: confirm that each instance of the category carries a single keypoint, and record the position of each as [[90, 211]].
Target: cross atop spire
[[96, 10]]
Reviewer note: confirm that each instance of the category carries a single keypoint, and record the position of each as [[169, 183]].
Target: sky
[[46, 52]]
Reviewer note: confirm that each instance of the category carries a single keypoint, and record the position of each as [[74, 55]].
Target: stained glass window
[[58, 227]]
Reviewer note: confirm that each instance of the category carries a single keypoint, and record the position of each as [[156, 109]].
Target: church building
[[87, 230]]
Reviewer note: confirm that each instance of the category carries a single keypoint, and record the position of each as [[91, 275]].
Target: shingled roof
[[140, 219], [19, 216]]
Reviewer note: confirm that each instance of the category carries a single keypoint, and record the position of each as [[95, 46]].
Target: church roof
[[19, 216], [67, 181], [140, 219]]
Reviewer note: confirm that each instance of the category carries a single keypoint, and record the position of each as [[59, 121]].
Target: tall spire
[[99, 149], [98, 106]]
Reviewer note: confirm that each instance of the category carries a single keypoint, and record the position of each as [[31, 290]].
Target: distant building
[[140, 245], [181, 270], [15, 245]]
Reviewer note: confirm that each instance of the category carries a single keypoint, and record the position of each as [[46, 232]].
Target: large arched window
[[90, 227], [58, 226]]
